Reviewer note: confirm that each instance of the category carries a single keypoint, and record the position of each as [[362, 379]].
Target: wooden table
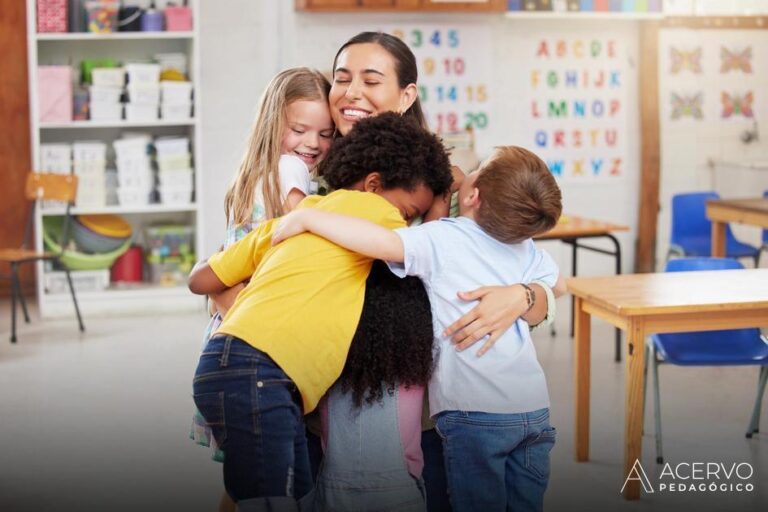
[[743, 211], [642, 304], [569, 230]]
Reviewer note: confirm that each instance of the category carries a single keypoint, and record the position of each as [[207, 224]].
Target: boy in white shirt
[[492, 412]]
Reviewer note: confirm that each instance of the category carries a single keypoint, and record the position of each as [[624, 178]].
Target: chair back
[[689, 264], [57, 187], [689, 217], [765, 231]]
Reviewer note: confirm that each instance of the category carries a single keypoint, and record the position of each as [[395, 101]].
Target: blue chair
[[692, 230], [733, 347], [765, 235]]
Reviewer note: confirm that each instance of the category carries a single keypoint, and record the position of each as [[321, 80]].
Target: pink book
[[54, 94]]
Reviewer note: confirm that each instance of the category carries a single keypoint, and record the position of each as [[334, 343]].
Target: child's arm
[[203, 281], [224, 300], [355, 234]]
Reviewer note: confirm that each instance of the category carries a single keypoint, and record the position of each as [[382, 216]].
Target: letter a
[[638, 473]]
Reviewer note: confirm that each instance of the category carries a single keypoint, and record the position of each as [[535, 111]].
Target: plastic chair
[[692, 230], [765, 236], [733, 347], [57, 187]]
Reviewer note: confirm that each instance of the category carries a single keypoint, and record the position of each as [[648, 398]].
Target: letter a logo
[[638, 473]]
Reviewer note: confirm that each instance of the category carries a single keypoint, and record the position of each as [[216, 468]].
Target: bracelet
[[530, 296]]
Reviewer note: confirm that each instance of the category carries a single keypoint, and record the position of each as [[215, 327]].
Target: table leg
[[633, 419], [718, 239], [582, 360]]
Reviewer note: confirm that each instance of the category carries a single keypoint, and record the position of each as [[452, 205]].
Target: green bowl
[[75, 260]]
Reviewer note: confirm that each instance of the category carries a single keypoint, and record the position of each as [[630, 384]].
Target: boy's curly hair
[[393, 342], [395, 146]]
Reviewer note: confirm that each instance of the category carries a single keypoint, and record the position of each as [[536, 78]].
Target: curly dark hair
[[393, 342], [395, 146]]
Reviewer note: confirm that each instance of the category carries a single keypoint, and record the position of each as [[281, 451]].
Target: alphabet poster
[[576, 106]]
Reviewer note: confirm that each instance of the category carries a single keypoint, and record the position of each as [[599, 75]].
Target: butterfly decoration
[[734, 105], [736, 61], [687, 106], [685, 60]]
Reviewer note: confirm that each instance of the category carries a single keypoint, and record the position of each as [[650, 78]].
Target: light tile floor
[[99, 421]]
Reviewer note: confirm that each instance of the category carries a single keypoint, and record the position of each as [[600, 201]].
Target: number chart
[[454, 66], [576, 105]]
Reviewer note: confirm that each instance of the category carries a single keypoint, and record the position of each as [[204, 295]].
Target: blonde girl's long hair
[[259, 165]]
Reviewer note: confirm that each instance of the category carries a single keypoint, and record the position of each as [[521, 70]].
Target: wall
[[240, 54]]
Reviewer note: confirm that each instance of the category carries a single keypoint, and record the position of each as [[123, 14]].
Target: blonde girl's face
[[308, 131], [365, 84]]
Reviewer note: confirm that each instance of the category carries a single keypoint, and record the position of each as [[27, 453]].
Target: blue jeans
[[496, 461], [255, 413], [434, 472]]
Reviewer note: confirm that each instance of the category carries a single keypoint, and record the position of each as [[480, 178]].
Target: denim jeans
[[496, 461], [255, 413], [434, 472]]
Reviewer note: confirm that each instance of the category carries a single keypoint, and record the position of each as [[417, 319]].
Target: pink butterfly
[[736, 61], [734, 105], [683, 60]]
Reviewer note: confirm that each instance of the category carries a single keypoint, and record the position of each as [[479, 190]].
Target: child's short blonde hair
[[519, 197]]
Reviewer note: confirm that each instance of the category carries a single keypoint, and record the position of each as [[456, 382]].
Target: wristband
[[530, 296]]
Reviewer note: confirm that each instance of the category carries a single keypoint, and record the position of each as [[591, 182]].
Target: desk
[[569, 230], [643, 304], [743, 211]]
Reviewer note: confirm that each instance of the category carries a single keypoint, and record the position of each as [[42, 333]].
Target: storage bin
[[102, 15], [133, 196], [105, 76], [181, 178], [89, 151], [170, 271], [179, 112], [178, 18], [136, 181], [51, 16], [105, 93], [176, 92], [169, 240], [56, 158], [82, 280], [143, 73], [97, 234], [101, 111], [129, 268], [175, 195], [167, 146], [174, 162], [143, 92], [132, 146], [54, 93], [141, 112]]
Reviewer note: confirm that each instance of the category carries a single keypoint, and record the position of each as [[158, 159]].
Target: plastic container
[[176, 112], [175, 195], [143, 73], [102, 16], [152, 21], [174, 162], [105, 93], [176, 92], [101, 111], [131, 146], [169, 240], [180, 178], [171, 271], [178, 18], [129, 18], [142, 92], [72, 259], [55, 281], [51, 16], [105, 76], [100, 233], [133, 196], [89, 151], [54, 93], [167, 146], [129, 268], [141, 112]]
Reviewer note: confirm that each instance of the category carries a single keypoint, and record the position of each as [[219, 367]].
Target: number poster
[[454, 68], [576, 106]]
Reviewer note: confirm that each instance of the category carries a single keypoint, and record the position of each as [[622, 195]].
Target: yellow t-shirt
[[306, 294]]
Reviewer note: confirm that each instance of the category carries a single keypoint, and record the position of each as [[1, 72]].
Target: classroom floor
[[99, 421]]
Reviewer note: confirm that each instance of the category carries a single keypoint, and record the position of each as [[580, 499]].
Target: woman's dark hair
[[405, 65], [393, 342], [395, 146]]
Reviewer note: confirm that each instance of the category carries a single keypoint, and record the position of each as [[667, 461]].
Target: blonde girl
[[290, 135]]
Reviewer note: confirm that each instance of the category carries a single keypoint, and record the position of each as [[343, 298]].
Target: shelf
[[115, 36], [114, 124], [585, 15], [117, 209]]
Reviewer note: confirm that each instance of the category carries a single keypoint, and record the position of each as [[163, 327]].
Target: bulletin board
[[576, 101]]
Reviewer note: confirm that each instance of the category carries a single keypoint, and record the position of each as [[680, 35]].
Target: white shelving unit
[[583, 15], [71, 48]]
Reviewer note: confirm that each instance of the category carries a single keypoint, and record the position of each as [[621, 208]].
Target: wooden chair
[[57, 187]]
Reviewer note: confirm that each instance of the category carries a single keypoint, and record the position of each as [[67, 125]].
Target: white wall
[[241, 53]]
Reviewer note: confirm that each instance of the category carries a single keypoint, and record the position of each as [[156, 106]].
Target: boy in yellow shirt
[[285, 339]]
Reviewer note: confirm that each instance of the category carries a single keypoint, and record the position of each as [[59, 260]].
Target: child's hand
[[290, 225]]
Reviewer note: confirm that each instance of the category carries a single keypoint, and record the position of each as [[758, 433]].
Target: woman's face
[[364, 84]]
